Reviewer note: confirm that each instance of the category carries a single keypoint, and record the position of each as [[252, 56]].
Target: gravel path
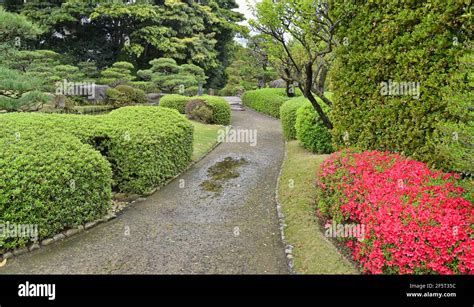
[[186, 230]]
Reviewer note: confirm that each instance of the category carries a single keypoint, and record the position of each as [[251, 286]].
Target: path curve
[[186, 230]]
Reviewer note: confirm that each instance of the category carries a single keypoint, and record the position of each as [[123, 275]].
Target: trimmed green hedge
[[411, 41], [311, 131], [145, 145], [266, 100], [220, 107], [175, 101], [288, 116], [49, 179], [132, 149]]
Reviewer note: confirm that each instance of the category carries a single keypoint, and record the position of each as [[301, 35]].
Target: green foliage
[[414, 41], [144, 145], [14, 28], [220, 107], [232, 90], [288, 116], [247, 70], [221, 112], [120, 72], [20, 91], [187, 31], [89, 70], [48, 178], [311, 131], [147, 87], [199, 110], [170, 77], [124, 95], [267, 100], [174, 101], [44, 65]]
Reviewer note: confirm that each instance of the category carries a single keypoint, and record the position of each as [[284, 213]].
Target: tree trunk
[[290, 91], [309, 95]]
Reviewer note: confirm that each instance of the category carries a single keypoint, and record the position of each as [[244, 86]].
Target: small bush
[[144, 145], [147, 87], [236, 90], [288, 116], [416, 219], [175, 101], [221, 112], [198, 110], [48, 179], [124, 95], [267, 100], [311, 131]]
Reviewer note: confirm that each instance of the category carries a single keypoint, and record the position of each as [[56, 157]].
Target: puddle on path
[[221, 172]]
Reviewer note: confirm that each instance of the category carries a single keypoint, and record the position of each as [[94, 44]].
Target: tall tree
[[302, 35], [106, 32]]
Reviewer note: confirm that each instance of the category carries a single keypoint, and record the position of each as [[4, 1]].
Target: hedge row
[[300, 121], [415, 220], [424, 45], [220, 107], [266, 100], [311, 131], [57, 171], [288, 116]]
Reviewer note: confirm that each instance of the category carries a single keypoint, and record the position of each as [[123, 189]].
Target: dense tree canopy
[[110, 31], [300, 39]]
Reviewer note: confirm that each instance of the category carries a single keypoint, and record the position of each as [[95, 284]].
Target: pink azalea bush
[[416, 219]]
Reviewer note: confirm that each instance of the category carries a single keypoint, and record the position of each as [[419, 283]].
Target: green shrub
[[288, 116], [266, 100], [147, 87], [175, 101], [48, 179], [232, 90], [405, 42], [311, 131], [221, 112], [124, 95], [199, 110], [144, 145], [114, 97], [147, 146], [133, 95]]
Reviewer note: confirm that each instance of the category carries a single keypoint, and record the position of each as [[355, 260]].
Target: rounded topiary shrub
[[131, 94], [198, 110], [49, 182], [57, 170], [311, 132], [288, 116], [175, 101], [124, 95], [221, 112]]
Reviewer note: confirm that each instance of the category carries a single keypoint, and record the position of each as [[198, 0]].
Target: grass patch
[[313, 252], [205, 137]]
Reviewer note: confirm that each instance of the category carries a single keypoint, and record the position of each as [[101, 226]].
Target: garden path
[[184, 229]]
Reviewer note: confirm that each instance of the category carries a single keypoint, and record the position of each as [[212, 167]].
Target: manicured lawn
[[205, 136], [313, 253]]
